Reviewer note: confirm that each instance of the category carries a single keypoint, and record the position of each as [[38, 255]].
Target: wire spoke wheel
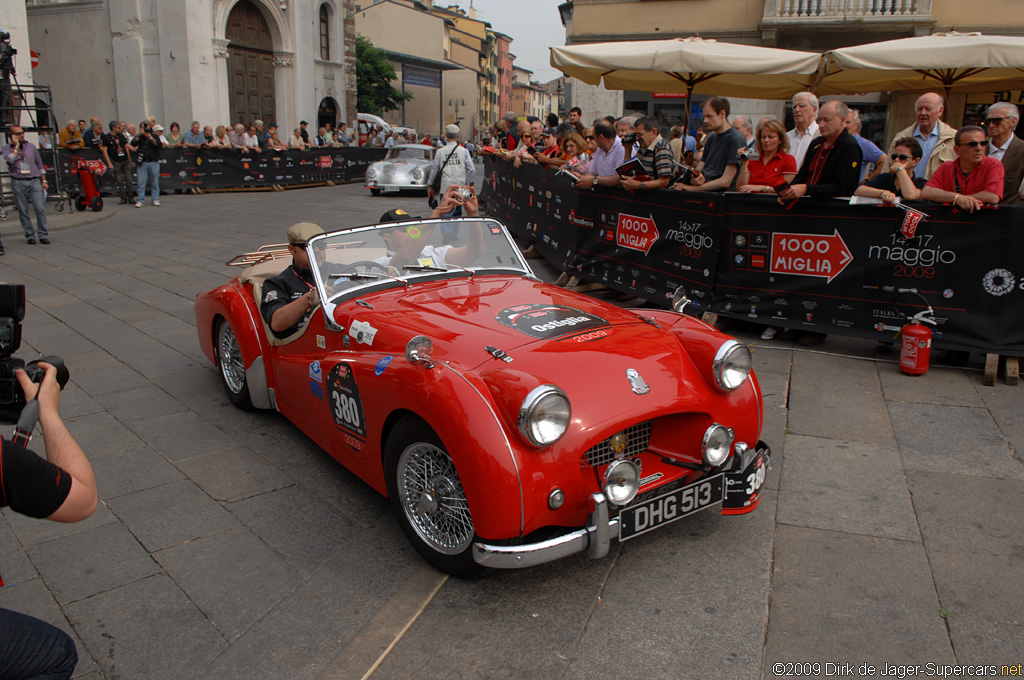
[[433, 499], [232, 366]]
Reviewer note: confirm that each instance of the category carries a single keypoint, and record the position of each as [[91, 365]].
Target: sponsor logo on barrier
[[636, 233], [810, 255], [998, 282], [326, 161], [580, 221]]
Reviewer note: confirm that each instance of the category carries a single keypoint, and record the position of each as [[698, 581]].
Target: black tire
[[80, 203], [433, 511], [231, 365], [375, 192], [96, 204]]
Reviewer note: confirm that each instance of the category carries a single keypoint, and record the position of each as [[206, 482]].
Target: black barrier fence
[[225, 168], [823, 266]]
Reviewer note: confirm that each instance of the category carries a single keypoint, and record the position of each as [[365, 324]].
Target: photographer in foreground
[[61, 488]]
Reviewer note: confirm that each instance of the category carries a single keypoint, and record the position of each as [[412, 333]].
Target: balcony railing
[[846, 10]]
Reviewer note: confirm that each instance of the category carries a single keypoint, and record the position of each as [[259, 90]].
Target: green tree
[[374, 93]]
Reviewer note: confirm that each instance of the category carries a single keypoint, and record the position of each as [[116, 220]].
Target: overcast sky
[[533, 25]]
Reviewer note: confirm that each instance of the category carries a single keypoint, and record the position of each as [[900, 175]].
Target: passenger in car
[[402, 248]]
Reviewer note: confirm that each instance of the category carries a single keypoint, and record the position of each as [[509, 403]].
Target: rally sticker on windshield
[[345, 404], [548, 320]]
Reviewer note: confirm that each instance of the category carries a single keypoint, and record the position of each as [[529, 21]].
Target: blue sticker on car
[[315, 372], [316, 389], [382, 365]]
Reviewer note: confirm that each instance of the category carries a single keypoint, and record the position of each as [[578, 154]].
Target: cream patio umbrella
[[956, 62], [682, 64]]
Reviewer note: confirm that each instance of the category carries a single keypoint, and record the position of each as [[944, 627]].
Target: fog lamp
[[621, 481], [717, 442]]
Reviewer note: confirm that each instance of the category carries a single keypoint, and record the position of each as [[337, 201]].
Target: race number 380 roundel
[[343, 400], [548, 320]]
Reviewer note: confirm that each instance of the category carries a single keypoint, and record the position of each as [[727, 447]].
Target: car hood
[[514, 315]]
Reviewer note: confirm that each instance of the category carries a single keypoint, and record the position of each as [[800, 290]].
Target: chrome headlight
[[621, 481], [544, 415], [417, 174], [371, 172], [717, 443], [731, 366]]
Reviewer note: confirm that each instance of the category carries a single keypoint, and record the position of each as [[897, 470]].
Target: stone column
[[223, 94]]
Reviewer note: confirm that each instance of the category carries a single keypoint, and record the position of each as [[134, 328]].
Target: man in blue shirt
[[194, 138], [28, 182]]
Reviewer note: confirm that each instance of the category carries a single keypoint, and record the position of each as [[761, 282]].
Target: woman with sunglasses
[[773, 165], [900, 180]]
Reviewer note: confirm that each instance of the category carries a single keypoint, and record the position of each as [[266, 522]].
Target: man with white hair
[[742, 125], [805, 116], [1006, 147], [933, 134]]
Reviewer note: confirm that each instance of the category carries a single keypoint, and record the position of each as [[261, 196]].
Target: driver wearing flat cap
[[290, 297]]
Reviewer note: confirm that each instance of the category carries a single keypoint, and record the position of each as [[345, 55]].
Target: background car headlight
[[371, 172], [621, 481], [544, 415], [717, 443], [732, 365], [417, 174]]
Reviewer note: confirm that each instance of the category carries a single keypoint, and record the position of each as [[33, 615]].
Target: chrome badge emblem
[[636, 381]]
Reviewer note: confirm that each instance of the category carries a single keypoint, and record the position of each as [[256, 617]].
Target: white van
[[366, 120]]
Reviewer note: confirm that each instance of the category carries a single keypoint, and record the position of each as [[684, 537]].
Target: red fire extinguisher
[[916, 338]]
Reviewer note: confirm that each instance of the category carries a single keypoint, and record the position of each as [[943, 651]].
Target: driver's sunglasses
[[994, 121], [590, 138], [900, 157], [972, 144]]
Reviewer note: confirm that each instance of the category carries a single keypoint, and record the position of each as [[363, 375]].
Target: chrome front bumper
[[595, 539]]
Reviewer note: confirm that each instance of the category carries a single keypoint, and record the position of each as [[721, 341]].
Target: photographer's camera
[[12, 311]]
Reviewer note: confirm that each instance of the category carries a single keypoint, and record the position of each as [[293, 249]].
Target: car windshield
[[353, 262], [408, 154]]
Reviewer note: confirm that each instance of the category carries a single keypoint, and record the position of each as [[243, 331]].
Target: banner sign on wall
[[823, 266], [227, 168]]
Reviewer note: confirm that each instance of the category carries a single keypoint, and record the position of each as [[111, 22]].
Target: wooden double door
[[250, 65]]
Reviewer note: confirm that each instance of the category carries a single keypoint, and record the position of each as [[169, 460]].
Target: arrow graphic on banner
[[810, 255]]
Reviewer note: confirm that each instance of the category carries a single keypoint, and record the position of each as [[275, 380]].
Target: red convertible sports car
[[509, 422]]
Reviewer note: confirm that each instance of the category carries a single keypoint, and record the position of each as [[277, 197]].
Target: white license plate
[[658, 512], [388, 190]]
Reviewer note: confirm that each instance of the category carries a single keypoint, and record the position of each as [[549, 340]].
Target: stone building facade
[[215, 61]]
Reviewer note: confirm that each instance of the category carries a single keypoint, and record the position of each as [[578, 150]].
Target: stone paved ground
[[227, 545]]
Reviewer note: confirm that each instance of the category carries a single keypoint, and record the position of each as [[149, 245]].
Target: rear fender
[[237, 307]]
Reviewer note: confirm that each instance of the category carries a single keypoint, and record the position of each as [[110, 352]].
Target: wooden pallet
[[1011, 371]]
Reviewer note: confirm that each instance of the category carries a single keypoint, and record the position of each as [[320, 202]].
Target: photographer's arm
[[61, 448]]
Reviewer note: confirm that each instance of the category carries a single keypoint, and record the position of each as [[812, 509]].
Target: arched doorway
[[327, 113], [250, 65]]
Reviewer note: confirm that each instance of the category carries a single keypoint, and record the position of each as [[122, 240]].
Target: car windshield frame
[[425, 154], [337, 282]]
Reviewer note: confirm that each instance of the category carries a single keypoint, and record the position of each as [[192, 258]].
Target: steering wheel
[[351, 267]]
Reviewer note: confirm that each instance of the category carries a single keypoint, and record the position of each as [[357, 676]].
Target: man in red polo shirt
[[970, 180]]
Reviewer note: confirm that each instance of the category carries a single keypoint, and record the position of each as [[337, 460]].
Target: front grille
[[637, 438]]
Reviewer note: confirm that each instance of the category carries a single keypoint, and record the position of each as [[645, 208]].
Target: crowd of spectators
[[822, 157]]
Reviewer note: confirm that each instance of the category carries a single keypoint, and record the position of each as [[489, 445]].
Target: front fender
[[462, 414]]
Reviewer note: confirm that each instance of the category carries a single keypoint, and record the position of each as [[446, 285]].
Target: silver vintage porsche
[[407, 166]]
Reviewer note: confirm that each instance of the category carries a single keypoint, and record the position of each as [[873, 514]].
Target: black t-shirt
[[115, 145], [291, 284], [887, 182], [150, 148], [29, 484]]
